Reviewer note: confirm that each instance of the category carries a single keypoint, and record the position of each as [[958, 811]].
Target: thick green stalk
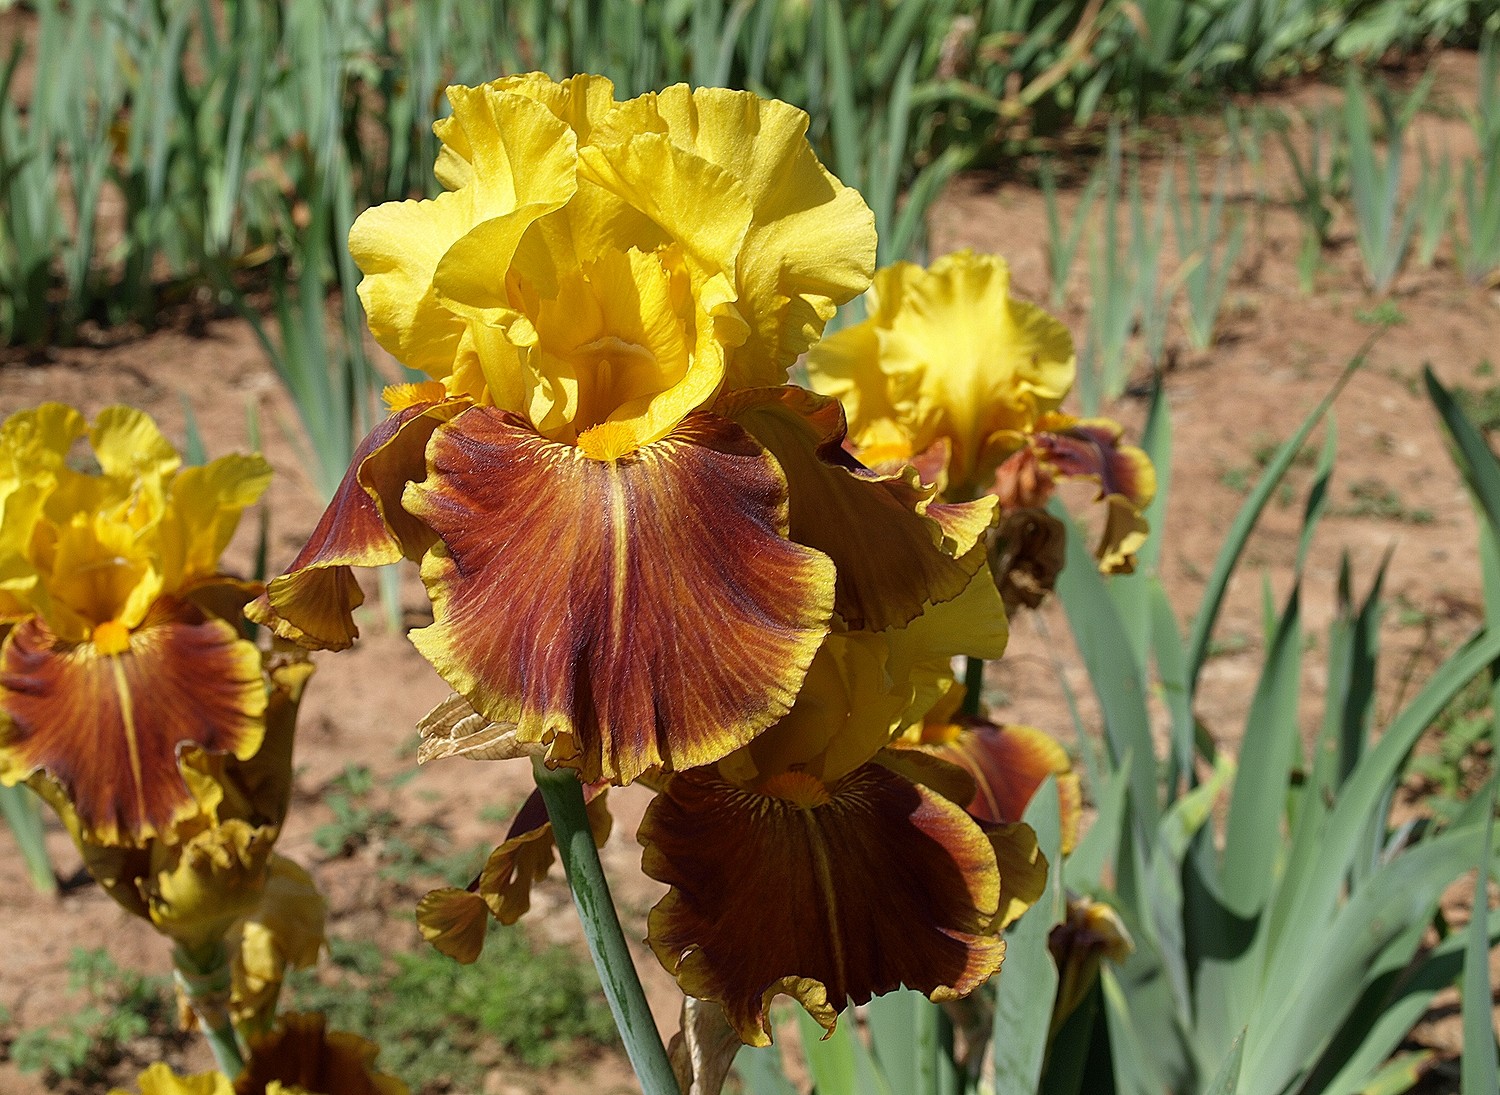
[[204, 980], [973, 686], [563, 795]]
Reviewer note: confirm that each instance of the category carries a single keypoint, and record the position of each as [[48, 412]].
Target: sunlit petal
[[109, 727], [313, 602], [948, 352], [681, 624], [810, 242]]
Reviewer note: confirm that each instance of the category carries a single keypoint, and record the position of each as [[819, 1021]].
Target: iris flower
[[122, 650], [819, 863], [130, 701], [650, 558], [634, 535], [953, 374]]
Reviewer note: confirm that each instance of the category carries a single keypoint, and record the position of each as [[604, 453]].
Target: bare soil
[[1279, 351]]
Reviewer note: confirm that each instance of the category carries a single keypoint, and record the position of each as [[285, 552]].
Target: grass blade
[[1029, 977], [23, 814], [1116, 676], [1480, 1070]]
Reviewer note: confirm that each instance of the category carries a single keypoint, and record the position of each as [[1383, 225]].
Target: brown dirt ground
[[1278, 353]]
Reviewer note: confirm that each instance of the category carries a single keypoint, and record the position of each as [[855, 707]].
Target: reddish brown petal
[[314, 601], [1091, 447], [109, 727], [882, 884], [302, 1054], [632, 613], [896, 549], [1008, 764]]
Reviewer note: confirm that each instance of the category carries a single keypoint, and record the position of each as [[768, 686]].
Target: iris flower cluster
[[132, 702], [651, 559]]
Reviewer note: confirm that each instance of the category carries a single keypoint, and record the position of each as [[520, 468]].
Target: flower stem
[[563, 795], [973, 686], [204, 980]]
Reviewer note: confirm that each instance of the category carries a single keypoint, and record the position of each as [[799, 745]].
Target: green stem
[[563, 795], [205, 981], [973, 686]]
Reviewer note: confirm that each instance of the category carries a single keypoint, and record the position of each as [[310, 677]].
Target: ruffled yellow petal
[[810, 242], [128, 444], [284, 931], [522, 166], [206, 503], [34, 445], [630, 338], [698, 204], [199, 888], [948, 353], [579, 102], [98, 570], [864, 688]]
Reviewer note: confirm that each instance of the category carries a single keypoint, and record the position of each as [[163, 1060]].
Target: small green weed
[[1223, 646], [1384, 314], [1461, 758], [1372, 498], [1409, 614], [1482, 405], [1238, 479], [440, 1024], [356, 822], [123, 1006], [1265, 450]]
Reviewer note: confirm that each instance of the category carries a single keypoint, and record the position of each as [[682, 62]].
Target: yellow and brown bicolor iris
[[954, 375], [650, 558], [635, 536], [822, 863], [122, 647], [129, 698]]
